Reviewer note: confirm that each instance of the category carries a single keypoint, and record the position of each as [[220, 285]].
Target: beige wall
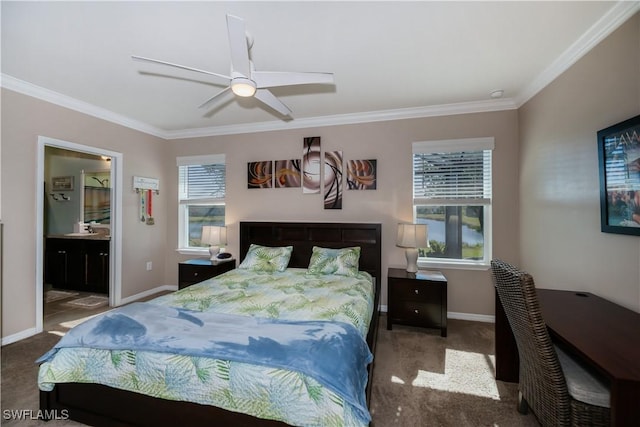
[[560, 239], [23, 120], [389, 143]]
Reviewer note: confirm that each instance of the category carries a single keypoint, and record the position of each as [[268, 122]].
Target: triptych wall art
[[314, 173]]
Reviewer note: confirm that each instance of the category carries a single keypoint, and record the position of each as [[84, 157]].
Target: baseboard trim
[[18, 336], [486, 318], [147, 293]]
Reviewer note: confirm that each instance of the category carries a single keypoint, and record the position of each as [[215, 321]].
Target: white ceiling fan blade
[[157, 61], [270, 100], [283, 78], [218, 98], [238, 46]]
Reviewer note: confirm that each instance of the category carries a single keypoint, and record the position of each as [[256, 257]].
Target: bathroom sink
[[81, 234]]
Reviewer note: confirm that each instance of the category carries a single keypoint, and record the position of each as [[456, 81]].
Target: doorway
[[44, 193]]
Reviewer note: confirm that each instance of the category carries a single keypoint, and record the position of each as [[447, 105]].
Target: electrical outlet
[[149, 265]]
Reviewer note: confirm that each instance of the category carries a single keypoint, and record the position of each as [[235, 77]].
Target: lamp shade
[[214, 235], [412, 236]]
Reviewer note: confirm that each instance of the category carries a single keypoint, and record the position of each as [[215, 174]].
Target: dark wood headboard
[[304, 235]]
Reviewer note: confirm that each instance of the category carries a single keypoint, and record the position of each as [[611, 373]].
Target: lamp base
[[412, 259], [214, 251]]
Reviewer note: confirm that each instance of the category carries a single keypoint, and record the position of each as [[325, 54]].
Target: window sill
[[453, 265], [193, 251]]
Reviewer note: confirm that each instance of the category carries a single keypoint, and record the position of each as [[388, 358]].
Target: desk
[[602, 333]]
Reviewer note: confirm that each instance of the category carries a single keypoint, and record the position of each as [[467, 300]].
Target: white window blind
[[201, 179], [445, 177]]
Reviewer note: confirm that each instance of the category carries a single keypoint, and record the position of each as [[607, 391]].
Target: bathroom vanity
[[78, 262]]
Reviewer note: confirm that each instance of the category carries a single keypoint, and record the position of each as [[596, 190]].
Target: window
[[452, 195], [201, 194]]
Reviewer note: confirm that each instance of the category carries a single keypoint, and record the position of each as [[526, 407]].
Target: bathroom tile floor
[[59, 315]]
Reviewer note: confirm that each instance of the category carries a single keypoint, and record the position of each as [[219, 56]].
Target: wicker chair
[[558, 389]]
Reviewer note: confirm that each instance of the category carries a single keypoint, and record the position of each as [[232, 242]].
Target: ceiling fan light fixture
[[243, 87]]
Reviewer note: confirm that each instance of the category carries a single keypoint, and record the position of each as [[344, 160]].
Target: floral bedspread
[[260, 391]]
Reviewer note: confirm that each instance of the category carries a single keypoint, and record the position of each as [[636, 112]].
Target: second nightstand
[[417, 299], [196, 270]]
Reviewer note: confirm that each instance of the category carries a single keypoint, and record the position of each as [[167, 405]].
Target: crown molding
[[348, 119], [29, 89], [606, 25], [26, 88]]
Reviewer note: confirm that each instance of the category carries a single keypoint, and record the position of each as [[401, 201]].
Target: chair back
[[542, 382]]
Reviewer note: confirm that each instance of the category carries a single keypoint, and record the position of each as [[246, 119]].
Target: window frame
[[183, 204], [454, 146]]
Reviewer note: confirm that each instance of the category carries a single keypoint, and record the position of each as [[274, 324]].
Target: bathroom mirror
[[96, 194]]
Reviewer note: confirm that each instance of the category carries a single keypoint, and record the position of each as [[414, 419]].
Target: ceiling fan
[[244, 80]]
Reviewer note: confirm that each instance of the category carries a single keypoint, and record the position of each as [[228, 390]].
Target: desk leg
[[625, 396]]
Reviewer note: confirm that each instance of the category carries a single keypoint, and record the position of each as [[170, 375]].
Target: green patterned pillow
[[343, 262], [266, 258]]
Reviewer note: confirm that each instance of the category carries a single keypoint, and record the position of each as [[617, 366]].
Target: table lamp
[[412, 237], [214, 236]]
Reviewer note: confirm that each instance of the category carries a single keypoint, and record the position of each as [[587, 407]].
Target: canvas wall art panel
[[288, 173], [333, 180], [259, 174], [362, 174], [311, 165]]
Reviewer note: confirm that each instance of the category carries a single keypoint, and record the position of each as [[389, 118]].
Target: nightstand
[[196, 270], [417, 299]]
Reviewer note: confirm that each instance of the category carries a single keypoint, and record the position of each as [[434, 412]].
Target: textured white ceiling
[[388, 57]]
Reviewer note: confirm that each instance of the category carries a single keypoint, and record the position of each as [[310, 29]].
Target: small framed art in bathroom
[[62, 183]]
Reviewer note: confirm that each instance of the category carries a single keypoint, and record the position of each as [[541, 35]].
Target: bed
[[102, 405]]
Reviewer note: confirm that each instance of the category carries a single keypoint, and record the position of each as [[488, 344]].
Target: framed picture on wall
[[62, 183], [619, 163]]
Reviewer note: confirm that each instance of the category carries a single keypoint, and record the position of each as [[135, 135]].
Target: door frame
[[115, 244]]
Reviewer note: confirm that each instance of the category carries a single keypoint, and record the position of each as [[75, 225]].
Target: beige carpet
[[420, 379]]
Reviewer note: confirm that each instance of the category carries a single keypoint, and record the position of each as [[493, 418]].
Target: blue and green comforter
[[282, 390]]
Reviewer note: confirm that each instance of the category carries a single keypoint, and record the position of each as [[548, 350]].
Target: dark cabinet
[[77, 264], [417, 299], [96, 269], [196, 270]]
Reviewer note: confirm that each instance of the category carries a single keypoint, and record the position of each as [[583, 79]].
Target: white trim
[[453, 145], [115, 247], [614, 18], [206, 159], [26, 88], [147, 293], [452, 265], [348, 119], [9, 339], [451, 202], [204, 252], [486, 318], [471, 317]]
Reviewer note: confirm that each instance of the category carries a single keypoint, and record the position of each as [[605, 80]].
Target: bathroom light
[[412, 237], [214, 236], [243, 87]]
